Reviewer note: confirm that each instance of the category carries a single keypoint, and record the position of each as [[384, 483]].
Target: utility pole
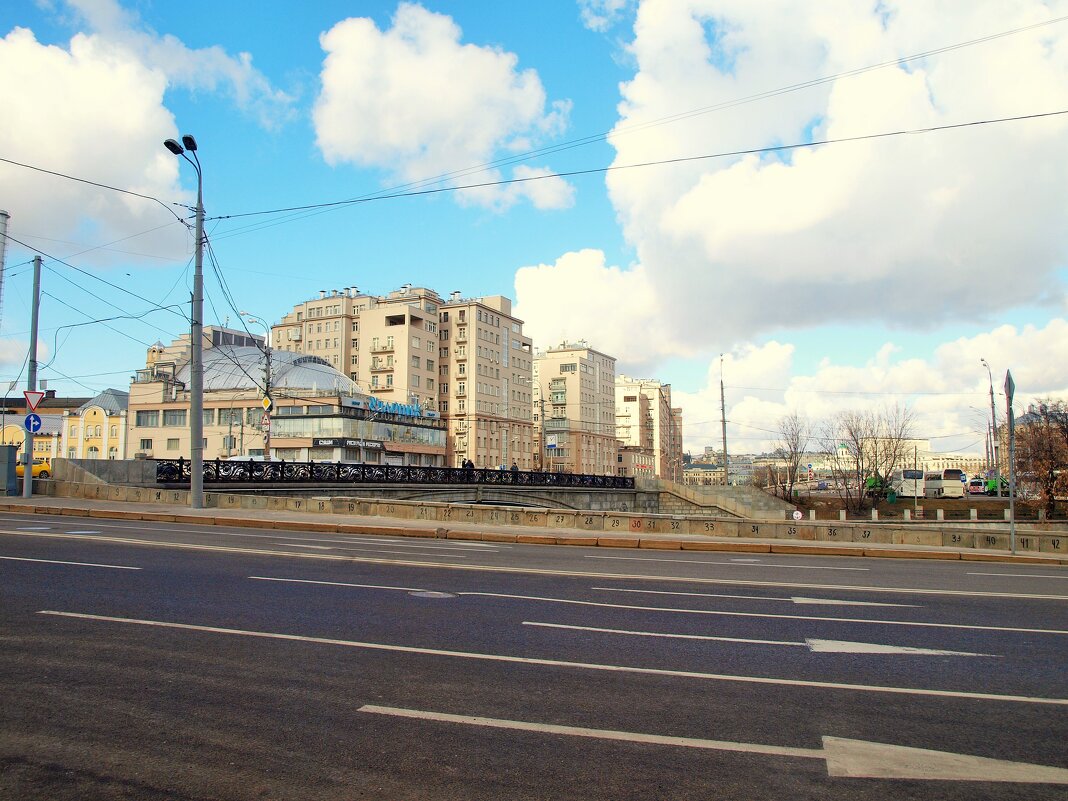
[[31, 376], [267, 402], [723, 417], [4, 217], [993, 428]]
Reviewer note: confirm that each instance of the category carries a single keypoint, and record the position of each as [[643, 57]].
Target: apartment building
[[485, 390], [464, 360], [574, 390], [645, 419]]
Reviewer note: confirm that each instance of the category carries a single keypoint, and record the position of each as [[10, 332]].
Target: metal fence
[[228, 471]]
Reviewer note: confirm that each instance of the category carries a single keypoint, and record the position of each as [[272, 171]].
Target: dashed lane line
[[559, 663], [60, 562]]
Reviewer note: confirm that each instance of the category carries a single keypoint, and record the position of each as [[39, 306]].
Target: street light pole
[[268, 403], [993, 430], [196, 333]]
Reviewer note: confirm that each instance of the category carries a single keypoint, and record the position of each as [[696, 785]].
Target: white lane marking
[[816, 646], [87, 531], [363, 541], [338, 584], [533, 571], [794, 600], [303, 545], [846, 647], [382, 550], [745, 560], [735, 562], [1019, 575], [856, 759], [410, 649], [665, 635], [34, 528], [599, 734], [764, 614], [58, 562]]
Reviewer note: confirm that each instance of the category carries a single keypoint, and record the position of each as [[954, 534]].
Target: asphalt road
[[149, 661]]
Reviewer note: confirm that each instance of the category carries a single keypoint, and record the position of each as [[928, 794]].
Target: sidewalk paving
[[364, 525]]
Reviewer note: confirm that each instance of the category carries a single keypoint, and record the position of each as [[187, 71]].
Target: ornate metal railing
[[229, 471]]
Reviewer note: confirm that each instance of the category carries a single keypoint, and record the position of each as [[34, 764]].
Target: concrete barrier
[[914, 536], [1054, 544], [557, 519]]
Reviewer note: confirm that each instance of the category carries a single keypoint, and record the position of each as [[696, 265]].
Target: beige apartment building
[[486, 386], [646, 420], [464, 360], [574, 390]]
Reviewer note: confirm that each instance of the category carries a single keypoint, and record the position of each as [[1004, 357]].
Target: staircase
[[744, 502]]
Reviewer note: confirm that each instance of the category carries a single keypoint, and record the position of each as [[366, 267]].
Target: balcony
[[382, 389], [460, 356], [381, 368], [557, 424], [377, 348]]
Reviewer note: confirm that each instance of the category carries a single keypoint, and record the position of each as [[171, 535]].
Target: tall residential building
[[574, 389], [486, 385], [646, 420], [465, 360]]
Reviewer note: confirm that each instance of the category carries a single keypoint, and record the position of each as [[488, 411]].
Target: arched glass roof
[[228, 367]]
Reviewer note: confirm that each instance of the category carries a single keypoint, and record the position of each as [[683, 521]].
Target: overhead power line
[[656, 163]]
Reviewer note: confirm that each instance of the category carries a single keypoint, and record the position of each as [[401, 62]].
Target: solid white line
[[793, 600], [58, 562], [34, 528], [732, 563], [303, 545], [1018, 575], [84, 532], [408, 649], [404, 553], [661, 634], [533, 571], [389, 543], [599, 734], [338, 584], [763, 614]]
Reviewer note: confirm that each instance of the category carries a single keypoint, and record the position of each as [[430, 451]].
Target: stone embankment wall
[[1051, 540]]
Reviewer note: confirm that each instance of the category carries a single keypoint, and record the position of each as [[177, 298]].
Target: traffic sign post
[[33, 397]]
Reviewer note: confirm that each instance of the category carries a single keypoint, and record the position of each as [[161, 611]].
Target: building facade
[[646, 419], [316, 414], [464, 358], [575, 395]]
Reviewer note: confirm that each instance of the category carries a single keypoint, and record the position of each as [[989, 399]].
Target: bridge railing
[[228, 471]]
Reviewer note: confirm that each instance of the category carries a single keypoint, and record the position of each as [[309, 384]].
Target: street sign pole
[[1010, 388], [31, 377]]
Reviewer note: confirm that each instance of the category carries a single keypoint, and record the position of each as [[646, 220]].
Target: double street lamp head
[[177, 149]]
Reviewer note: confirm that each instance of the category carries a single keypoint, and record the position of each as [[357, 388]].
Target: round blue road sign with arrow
[[32, 423]]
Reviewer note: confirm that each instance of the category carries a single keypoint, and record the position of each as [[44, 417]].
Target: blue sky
[[887, 267]]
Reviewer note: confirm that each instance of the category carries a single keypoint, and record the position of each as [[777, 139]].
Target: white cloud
[[96, 109], [418, 102], [208, 68], [909, 231], [600, 15], [949, 392]]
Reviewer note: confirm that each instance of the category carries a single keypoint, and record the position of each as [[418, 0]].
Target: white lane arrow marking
[[844, 758], [846, 647], [814, 645], [796, 600], [864, 760]]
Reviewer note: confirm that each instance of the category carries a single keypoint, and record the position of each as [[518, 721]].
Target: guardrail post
[[842, 515], [973, 514], [940, 514], [908, 515]]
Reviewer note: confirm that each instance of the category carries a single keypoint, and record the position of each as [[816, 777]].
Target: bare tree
[[795, 433], [865, 444], [1042, 451]]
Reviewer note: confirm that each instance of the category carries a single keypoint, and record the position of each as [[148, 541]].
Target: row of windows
[[94, 431], [226, 416]]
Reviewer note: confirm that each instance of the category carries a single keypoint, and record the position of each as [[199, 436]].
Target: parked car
[[977, 486], [41, 468]]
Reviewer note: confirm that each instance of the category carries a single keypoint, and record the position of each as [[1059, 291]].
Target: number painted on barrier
[[1025, 542], [469, 514], [494, 516], [675, 525], [588, 521], [991, 541], [352, 507], [956, 539], [832, 532], [559, 519], [710, 526], [514, 517], [615, 523], [534, 518], [755, 529], [389, 509], [635, 524], [791, 531], [446, 514], [1056, 544], [865, 534], [322, 506], [422, 513]]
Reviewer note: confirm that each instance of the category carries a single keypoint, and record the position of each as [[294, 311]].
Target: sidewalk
[[364, 525]]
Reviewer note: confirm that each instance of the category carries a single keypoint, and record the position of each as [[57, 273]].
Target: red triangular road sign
[[33, 397]]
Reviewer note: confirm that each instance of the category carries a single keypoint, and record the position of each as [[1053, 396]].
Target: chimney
[[322, 294]]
